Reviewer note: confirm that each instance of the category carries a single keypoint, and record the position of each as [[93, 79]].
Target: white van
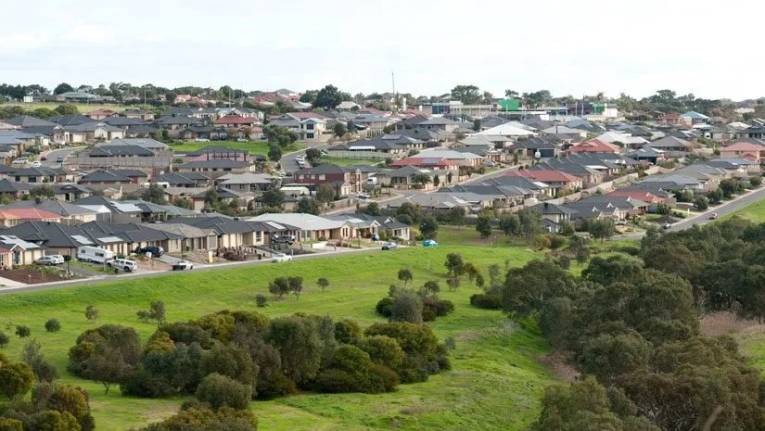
[[123, 265], [94, 254]]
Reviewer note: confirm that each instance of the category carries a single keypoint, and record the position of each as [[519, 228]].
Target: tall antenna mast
[[393, 83]]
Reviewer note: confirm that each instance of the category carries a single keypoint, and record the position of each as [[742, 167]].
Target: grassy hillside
[[496, 381], [754, 212], [254, 148]]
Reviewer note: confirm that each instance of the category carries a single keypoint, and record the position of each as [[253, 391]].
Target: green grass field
[[340, 161], [254, 147], [82, 107], [495, 384], [754, 212]]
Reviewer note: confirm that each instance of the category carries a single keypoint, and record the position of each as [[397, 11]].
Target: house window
[[309, 126], [309, 135]]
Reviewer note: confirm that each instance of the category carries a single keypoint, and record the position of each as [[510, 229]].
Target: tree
[[15, 380], [372, 208], [299, 344], [430, 288], [91, 313], [261, 300], [201, 418], [279, 286], [527, 289], [67, 109], [295, 285], [701, 203], [323, 283], [23, 331], [454, 264], [406, 307], [274, 153], [428, 227], [325, 193], [221, 391], [43, 191], [340, 130], [156, 313], [154, 193], [107, 354], [601, 228], [273, 198], [483, 225], [312, 155], [405, 275], [530, 223], [328, 97], [3, 339], [307, 205], [65, 399], [43, 370], [62, 88], [510, 224], [278, 136], [52, 325], [467, 94]]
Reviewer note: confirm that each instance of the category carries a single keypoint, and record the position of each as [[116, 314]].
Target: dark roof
[[219, 224], [215, 150], [130, 232], [7, 186], [112, 175], [124, 122], [327, 168], [176, 179], [214, 164], [120, 150], [29, 121], [70, 120]]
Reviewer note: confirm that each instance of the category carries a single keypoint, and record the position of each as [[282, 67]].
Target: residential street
[[721, 210]]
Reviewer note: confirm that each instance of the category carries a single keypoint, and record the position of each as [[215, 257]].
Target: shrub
[[91, 313], [486, 300], [755, 181], [52, 325], [221, 391], [23, 331], [383, 350], [3, 339], [347, 331], [261, 300], [383, 306]]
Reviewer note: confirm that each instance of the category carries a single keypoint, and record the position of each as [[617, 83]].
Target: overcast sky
[[710, 48]]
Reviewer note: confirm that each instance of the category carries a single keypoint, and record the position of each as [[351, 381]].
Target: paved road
[[288, 161], [53, 155], [721, 210], [197, 268]]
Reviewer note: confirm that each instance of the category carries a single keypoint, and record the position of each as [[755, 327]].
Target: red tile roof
[[594, 146], [235, 119], [424, 161], [743, 146], [27, 214], [638, 195]]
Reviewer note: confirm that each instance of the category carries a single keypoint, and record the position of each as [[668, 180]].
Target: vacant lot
[[253, 147], [496, 381]]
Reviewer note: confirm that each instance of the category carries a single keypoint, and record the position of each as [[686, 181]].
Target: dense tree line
[[51, 406], [254, 357], [633, 328]]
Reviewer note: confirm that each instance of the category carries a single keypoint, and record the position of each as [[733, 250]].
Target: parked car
[[183, 265], [201, 140], [154, 250], [390, 246], [123, 265], [430, 243], [50, 260], [666, 226], [713, 216], [36, 164], [280, 257], [94, 254]]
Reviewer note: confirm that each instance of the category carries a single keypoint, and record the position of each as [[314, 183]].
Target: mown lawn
[[496, 381], [82, 107], [253, 147], [754, 212], [341, 161]]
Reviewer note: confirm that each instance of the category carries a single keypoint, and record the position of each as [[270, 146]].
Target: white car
[[183, 265], [36, 164], [123, 265], [201, 140], [280, 257], [50, 260]]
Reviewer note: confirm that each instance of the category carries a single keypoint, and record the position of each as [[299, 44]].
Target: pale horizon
[[567, 48]]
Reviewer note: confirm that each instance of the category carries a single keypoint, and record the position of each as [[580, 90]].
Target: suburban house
[[214, 168], [561, 182], [13, 216], [743, 150], [310, 227], [308, 126], [344, 180], [594, 146]]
